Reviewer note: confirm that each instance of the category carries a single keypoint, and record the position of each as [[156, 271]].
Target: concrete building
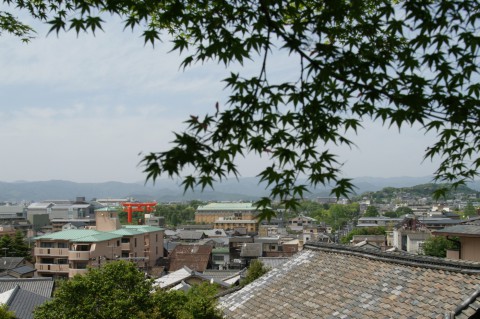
[[212, 212], [67, 253]]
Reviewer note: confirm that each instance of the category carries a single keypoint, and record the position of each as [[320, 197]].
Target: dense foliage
[[403, 63], [469, 210], [255, 270], [363, 231], [115, 290], [337, 215], [15, 246], [197, 303], [119, 290], [178, 213], [400, 211], [371, 211], [437, 246], [5, 313]]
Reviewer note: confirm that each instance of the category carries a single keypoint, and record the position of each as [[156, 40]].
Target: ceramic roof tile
[[356, 283]]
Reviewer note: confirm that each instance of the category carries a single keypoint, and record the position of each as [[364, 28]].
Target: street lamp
[[5, 251]]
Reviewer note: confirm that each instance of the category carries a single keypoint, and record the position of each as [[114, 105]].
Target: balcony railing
[[125, 246], [52, 267], [78, 255], [63, 252]]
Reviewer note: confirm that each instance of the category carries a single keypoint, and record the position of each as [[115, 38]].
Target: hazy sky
[[83, 108]]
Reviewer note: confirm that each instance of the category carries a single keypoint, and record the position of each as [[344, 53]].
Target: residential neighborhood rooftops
[[335, 281]]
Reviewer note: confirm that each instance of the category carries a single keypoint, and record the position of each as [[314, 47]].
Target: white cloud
[[83, 108]]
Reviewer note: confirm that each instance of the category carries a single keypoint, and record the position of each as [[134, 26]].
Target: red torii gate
[[138, 207]]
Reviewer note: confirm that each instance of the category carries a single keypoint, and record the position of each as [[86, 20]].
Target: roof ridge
[[12, 295], [400, 258], [467, 302]]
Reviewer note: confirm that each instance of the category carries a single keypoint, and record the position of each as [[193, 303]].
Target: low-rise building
[[212, 212], [67, 253]]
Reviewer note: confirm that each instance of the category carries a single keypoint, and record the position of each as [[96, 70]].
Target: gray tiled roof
[[23, 270], [10, 262], [24, 303], [472, 230], [272, 262], [333, 281], [40, 286]]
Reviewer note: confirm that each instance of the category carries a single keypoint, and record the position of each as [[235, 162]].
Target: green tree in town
[[391, 214], [337, 215], [437, 246], [198, 302], [178, 213], [469, 210], [14, 247], [19, 246], [116, 290], [403, 210], [401, 63], [255, 270], [5, 313], [363, 231], [371, 211]]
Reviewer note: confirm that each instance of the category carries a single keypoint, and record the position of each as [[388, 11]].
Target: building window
[[83, 248], [218, 258], [80, 266], [62, 245], [135, 242], [125, 240], [46, 261], [46, 244]]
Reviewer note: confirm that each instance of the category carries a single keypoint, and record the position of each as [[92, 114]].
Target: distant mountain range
[[166, 190]]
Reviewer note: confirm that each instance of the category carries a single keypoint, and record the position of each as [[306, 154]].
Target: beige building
[[468, 238], [67, 253], [212, 212], [251, 226]]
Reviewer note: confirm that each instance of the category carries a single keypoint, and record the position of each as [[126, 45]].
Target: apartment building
[[212, 212], [67, 253]]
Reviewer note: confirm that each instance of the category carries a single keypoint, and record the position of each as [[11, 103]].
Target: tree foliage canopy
[[120, 290], [115, 290], [363, 231], [437, 246], [337, 215], [412, 62], [255, 270]]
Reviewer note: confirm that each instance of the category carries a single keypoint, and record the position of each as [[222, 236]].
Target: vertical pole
[[129, 214]]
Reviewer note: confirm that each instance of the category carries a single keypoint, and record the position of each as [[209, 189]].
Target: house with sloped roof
[[195, 257], [189, 236], [337, 281], [184, 278], [468, 238], [22, 296]]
